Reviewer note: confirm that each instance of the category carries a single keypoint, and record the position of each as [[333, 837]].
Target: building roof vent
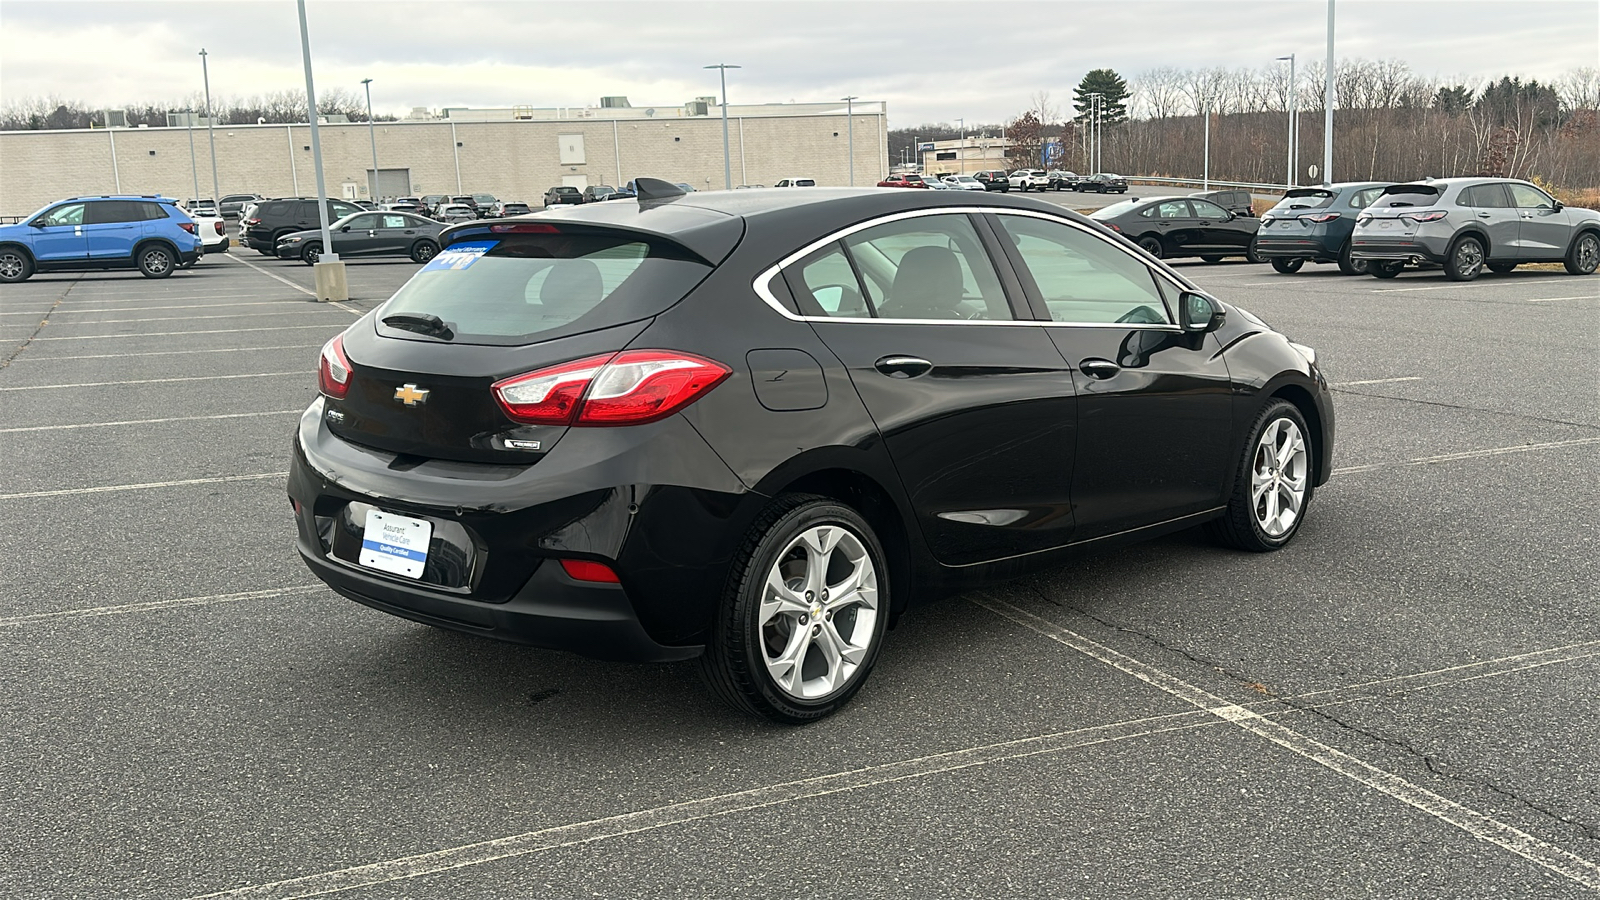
[[614, 103]]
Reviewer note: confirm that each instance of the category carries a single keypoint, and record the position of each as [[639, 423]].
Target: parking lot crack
[[1437, 767], [43, 321], [1464, 408]]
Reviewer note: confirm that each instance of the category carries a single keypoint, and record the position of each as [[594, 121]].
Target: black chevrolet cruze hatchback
[[752, 427]]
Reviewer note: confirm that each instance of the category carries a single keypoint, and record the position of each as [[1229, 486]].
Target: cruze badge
[[411, 395]]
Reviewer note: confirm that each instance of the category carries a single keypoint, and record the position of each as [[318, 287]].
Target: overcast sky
[[930, 61]]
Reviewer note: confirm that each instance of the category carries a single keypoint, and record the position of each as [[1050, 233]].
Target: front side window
[[928, 267], [1083, 278], [1526, 197], [71, 214]]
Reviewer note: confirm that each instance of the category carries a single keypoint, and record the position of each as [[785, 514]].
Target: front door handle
[[903, 366], [1099, 368]]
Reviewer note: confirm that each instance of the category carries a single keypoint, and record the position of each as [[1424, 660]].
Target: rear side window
[[928, 267], [1486, 196], [510, 289], [107, 212], [1402, 195], [153, 211], [1364, 198]]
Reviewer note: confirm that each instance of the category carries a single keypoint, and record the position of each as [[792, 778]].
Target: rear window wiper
[[422, 323]]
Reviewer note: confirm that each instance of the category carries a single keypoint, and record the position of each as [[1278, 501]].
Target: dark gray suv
[[1469, 224]]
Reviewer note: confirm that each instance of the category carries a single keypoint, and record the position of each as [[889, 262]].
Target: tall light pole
[[1290, 102], [194, 170], [1095, 97], [1327, 106], [211, 134], [330, 278], [372, 134], [850, 130], [961, 145], [1205, 175], [727, 157]]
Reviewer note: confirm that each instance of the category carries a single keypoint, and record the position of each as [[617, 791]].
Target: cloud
[[930, 61]]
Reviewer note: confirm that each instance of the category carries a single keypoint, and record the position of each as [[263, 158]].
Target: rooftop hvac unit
[[696, 107], [709, 101], [614, 103], [521, 112]]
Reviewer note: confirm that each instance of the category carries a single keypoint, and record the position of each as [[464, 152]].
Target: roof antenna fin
[[654, 190]]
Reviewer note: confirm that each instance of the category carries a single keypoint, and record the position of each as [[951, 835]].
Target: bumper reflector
[[589, 570]]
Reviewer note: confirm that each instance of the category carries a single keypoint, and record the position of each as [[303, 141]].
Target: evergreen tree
[[1114, 92]]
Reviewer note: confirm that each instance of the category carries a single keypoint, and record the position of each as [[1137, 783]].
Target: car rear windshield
[[512, 289], [1305, 198], [1408, 195]]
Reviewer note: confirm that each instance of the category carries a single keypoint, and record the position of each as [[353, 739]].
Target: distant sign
[[921, 148], [1053, 153]]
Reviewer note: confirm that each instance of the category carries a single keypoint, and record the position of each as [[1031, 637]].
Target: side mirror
[[1199, 314], [1559, 206], [345, 228]]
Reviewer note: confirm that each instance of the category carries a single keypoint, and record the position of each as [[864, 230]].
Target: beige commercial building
[[515, 153]]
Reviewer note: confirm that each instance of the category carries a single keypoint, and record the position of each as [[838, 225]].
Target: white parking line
[[249, 315], [527, 843], [113, 488], [165, 353], [84, 384], [1593, 296], [695, 810], [127, 309], [1469, 454], [145, 334], [248, 415], [1374, 381], [156, 605], [1437, 287], [349, 309], [1474, 823]]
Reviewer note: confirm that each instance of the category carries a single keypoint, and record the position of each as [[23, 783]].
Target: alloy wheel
[[156, 261], [1278, 473], [819, 611], [1469, 258], [1587, 255], [11, 265]]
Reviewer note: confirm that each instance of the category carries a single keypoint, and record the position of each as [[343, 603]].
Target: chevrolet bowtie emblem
[[411, 395]]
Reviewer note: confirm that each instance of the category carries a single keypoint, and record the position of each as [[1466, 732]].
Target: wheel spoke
[[1272, 508], [785, 669], [781, 599], [1290, 503]]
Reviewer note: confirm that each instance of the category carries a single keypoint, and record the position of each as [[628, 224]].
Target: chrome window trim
[[762, 282]]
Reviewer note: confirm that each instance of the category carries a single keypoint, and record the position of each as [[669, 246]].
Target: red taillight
[[220, 228], [187, 226], [1432, 215], [333, 369], [524, 228], [252, 221], [1114, 227], [1319, 218], [589, 570], [629, 388]]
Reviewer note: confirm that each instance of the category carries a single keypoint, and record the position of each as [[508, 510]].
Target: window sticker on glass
[[459, 256]]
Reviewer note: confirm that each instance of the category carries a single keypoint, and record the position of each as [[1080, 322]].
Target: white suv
[[796, 182], [1030, 180]]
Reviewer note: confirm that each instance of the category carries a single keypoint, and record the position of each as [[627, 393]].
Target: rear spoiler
[[705, 233]]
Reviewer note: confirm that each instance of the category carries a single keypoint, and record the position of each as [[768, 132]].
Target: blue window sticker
[[459, 256]]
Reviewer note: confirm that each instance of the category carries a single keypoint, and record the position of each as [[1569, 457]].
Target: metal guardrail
[[1214, 183]]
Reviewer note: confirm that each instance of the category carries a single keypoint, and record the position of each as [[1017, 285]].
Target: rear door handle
[[1483, 215], [903, 366], [1099, 368]]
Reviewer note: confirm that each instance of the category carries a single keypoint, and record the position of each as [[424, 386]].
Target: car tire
[[1151, 245], [156, 260], [1273, 483], [1350, 266], [1465, 260], [1287, 266], [1211, 259], [422, 251], [310, 253], [769, 655], [15, 266], [1384, 269], [1502, 268], [1583, 257], [1251, 254]]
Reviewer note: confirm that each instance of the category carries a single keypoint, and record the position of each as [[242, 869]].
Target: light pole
[[1094, 131], [372, 134], [727, 158], [961, 146], [194, 170], [1289, 102], [1327, 106], [850, 130], [211, 134], [1205, 175], [330, 278]]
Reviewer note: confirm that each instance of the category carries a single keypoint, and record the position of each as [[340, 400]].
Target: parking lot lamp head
[[727, 159]]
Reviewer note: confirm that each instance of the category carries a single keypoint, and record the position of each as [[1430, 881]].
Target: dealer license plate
[[395, 543]]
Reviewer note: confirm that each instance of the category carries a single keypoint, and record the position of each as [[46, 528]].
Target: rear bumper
[[1295, 248], [551, 611], [1396, 251]]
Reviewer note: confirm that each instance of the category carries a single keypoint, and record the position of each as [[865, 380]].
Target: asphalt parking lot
[[1403, 703]]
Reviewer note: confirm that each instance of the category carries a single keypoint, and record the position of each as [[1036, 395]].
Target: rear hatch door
[[497, 302], [1392, 216]]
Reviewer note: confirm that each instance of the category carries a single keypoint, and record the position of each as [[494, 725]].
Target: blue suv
[[150, 234]]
